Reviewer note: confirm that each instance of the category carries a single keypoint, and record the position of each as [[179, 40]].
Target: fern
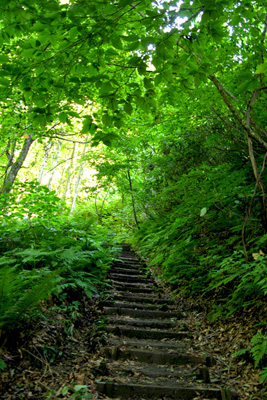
[[258, 347], [20, 292], [81, 279], [263, 375]]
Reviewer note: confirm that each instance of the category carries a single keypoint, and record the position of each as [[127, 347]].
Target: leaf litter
[[42, 361]]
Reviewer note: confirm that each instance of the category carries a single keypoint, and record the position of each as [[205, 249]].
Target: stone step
[[133, 332], [127, 271], [136, 371], [150, 344], [167, 356], [140, 306], [132, 278], [132, 290], [141, 313], [145, 298], [142, 322], [127, 261], [145, 285], [154, 391]]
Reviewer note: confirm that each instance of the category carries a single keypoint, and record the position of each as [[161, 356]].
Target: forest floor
[[57, 357]]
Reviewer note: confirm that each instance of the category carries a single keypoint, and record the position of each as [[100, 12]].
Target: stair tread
[[146, 313], [181, 391]]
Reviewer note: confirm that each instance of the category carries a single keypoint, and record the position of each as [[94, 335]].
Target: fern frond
[[259, 347], [20, 292], [263, 374]]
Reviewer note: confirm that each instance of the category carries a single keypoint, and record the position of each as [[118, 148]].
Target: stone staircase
[[149, 351]]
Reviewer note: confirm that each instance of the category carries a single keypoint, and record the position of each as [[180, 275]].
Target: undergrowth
[[45, 252], [196, 244]]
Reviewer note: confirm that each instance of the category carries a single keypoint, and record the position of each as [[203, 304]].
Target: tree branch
[[223, 92], [72, 141], [225, 121]]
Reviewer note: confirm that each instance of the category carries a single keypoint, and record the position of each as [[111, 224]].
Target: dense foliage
[[151, 116], [43, 252]]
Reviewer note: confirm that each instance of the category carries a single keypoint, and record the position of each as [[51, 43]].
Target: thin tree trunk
[[102, 205], [259, 183], [122, 209], [251, 135], [11, 155], [69, 171], [55, 160], [63, 171], [133, 201], [96, 208], [78, 181], [15, 167], [41, 173]]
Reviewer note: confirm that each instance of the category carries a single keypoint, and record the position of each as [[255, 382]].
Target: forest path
[[150, 352]]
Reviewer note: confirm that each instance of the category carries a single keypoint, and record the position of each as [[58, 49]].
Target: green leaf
[[28, 53], [107, 119], [128, 108], [78, 388], [2, 365], [4, 58], [130, 38], [117, 43], [63, 117], [65, 390], [203, 212], [4, 82], [91, 70], [261, 69]]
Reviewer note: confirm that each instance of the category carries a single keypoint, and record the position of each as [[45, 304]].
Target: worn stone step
[[129, 268], [132, 290], [141, 313], [128, 264], [129, 258], [150, 344], [128, 271], [132, 278], [169, 357], [136, 371], [134, 285], [155, 391], [142, 322], [145, 298], [140, 306], [133, 332]]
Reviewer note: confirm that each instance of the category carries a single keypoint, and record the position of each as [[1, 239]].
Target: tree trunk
[[251, 135], [133, 201], [54, 164], [69, 171], [79, 178], [41, 173], [122, 210], [259, 183], [15, 167], [102, 205], [63, 172]]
